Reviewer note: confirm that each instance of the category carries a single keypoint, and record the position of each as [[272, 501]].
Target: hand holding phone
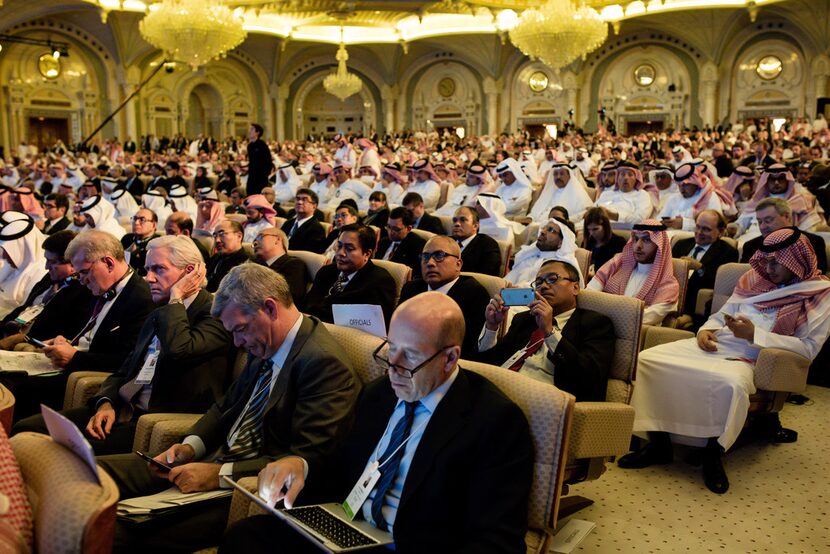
[[157, 464], [34, 341], [518, 297]]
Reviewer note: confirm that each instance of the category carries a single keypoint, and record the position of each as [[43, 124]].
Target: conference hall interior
[[491, 276]]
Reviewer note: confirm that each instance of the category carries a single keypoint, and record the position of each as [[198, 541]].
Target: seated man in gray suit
[[292, 398], [180, 362]]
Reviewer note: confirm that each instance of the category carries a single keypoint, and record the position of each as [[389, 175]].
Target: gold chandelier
[[192, 31], [341, 83], [559, 32]]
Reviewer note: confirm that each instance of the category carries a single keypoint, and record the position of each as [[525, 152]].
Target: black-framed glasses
[[438, 255], [139, 219], [399, 369], [549, 279]]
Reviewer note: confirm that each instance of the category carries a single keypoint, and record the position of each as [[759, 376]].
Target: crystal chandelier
[[192, 31], [341, 83], [559, 32]]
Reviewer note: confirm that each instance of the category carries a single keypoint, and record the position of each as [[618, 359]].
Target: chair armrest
[[781, 370], [81, 386], [155, 433], [654, 336], [600, 429], [241, 505], [704, 296]]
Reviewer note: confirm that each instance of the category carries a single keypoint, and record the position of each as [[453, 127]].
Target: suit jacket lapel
[[306, 327], [448, 420]]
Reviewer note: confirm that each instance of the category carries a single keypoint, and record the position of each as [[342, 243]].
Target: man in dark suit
[[295, 393], [761, 157], [555, 341], [705, 252], [55, 206], [352, 278], [158, 180], [144, 224], [437, 494], [401, 245], [480, 253], [129, 146], [227, 239], [270, 249], [132, 183], [773, 214], [304, 230], [441, 269], [180, 362], [259, 160], [57, 305], [423, 220]]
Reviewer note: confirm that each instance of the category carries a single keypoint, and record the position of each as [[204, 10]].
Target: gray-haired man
[[291, 399]]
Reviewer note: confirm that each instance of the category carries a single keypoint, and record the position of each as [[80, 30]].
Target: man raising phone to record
[[180, 362]]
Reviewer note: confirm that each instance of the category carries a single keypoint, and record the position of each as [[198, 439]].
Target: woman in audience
[[226, 183], [378, 213], [599, 239]]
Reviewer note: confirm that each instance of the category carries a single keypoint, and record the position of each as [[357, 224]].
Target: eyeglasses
[[549, 279], [438, 255], [139, 219], [395, 229], [400, 370]]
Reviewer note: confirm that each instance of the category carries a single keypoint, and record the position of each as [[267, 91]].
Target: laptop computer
[[325, 525]]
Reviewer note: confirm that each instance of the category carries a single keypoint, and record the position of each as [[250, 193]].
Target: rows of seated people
[[168, 314]]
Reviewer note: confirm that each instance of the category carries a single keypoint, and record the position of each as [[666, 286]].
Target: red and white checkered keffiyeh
[[800, 258], [19, 516], [661, 285], [801, 201]]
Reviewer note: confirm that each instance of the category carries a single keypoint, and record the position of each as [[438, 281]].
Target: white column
[[281, 99], [388, 95], [491, 98]]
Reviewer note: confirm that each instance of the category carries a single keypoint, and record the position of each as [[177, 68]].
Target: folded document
[[165, 501], [33, 363]]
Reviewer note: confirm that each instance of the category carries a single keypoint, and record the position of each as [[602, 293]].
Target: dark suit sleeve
[[582, 357], [491, 262], [407, 292], [295, 274], [516, 338], [181, 340], [503, 471]]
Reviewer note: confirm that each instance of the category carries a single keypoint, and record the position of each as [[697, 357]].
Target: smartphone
[[158, 464], [32, 340], [517, 297]]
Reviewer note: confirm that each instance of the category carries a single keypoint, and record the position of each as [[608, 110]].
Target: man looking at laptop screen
[[451, 457]]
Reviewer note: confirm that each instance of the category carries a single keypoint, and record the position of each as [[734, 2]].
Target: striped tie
[[249, 433], [391, 462]]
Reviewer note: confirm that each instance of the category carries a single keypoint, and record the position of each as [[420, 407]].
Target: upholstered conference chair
[[400, 272], [313, 261], [73, 512]]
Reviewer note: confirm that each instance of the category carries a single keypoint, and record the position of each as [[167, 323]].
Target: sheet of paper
[[165, 500], [33, 363], [366, 317], [570, 535], [65, 433]]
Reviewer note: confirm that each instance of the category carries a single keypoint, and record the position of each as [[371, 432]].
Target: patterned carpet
[[778, 500]]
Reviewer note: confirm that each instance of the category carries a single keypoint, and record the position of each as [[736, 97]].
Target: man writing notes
[[456, 455]]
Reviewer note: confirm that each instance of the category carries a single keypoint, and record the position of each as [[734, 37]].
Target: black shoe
[[713, 473], [783, 435], [650, 454]]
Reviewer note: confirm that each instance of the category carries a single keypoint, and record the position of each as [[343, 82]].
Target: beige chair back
[[248, 248], [677, 236], [358, 346], [592, 193], [681, 273], [72, 511], [239, 218], [506, 248], [205, 239], [327, 226], [725, 282], [6, 409], [426, 235], [491, 283], [446, 221], [312, 260], [626, 313], [279, 222], [549, 412], [583, 258], [446, 191], [400, 273], [624, 233]]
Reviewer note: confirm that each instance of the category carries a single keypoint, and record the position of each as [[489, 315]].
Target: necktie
[[249, 433], [392, 460], [293, 230], [391, 252], [537, 337], [697, 250], [99, 304], [338, 285]]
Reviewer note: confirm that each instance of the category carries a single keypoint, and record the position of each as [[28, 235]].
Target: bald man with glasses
[[554, 341], [440, 267]]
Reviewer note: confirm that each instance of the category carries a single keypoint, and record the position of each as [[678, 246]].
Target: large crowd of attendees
[[159, 260]]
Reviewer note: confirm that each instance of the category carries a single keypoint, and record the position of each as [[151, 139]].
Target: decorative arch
[[601, 62], [529, 107], [301, 86]]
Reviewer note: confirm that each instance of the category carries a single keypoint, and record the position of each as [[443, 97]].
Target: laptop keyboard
[[330, 527]]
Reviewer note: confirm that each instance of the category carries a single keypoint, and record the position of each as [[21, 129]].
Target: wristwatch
[[177, 301]]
